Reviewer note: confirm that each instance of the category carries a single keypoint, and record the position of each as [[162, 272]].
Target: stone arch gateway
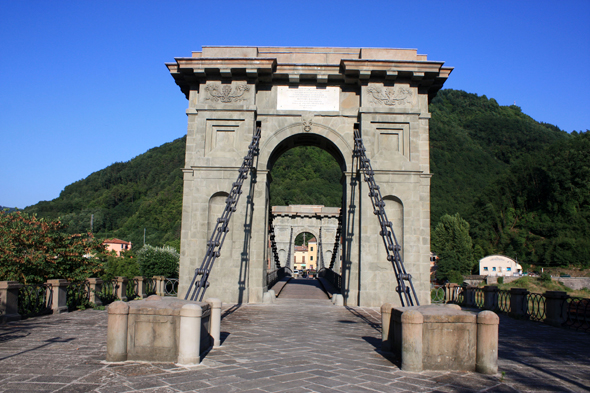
[[308, 96]]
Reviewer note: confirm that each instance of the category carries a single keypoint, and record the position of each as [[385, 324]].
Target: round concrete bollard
[[487, 343], [215, 321], [189, 343], [412, 322], [454, 306], [339, 300], [117, 332]]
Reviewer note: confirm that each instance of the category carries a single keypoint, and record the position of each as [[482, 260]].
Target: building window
[[311, 257], [485, 269], [311, 248], [494, 269], [508, 269]]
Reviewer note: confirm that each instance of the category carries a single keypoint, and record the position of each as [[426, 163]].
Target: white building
[[499, 265]]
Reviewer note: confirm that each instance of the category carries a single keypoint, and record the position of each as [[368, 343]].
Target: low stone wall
[[575, 283], [494, 279]]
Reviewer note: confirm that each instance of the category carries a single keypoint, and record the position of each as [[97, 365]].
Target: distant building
[[433, 265], [499, 265], [306, 257], [299, 258], [117, 245]]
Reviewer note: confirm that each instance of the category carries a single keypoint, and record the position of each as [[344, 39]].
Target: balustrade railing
[[34, 300], [78, 295], [552, 307], [170, 286], [56, 296], [333, 278], [274, 276]]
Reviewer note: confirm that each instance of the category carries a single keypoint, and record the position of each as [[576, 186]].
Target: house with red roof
[[117, 245]]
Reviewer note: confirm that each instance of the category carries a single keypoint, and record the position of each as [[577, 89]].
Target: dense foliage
[[158, 261], [539, 210], [473, 140], [453, 245], [34, 250], [306, 175]]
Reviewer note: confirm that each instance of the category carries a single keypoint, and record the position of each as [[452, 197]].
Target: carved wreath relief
[[307, 123], [390, 96], [226, 93]]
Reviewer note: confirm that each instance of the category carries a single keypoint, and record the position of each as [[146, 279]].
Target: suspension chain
[[273, 244], [321, 253], [200, 282], [288, 261], [337, 240], [392, 247]]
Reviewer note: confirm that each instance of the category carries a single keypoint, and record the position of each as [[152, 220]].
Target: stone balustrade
[[56, 293]]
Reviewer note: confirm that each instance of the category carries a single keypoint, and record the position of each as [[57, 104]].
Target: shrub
[[158, 261], [455, 276], [545, 277], [500, 280]]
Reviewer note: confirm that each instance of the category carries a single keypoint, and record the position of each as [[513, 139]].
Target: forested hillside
[[521, 185], [472, 141]]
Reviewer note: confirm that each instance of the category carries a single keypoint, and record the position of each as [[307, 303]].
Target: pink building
[[117, 245]]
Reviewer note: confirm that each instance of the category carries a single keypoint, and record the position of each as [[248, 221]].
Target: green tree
[[158, 261], [33, 250], [453, 245]]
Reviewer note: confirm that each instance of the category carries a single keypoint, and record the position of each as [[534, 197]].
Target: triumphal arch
[[307, 96]]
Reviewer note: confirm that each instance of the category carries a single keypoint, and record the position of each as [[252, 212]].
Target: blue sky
[[83, 83]]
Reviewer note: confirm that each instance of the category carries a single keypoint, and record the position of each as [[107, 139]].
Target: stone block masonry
[[307, 97]]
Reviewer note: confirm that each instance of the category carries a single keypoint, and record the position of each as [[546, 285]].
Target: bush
[[545, 277], [158, 261], [500, 280], [455, 277]]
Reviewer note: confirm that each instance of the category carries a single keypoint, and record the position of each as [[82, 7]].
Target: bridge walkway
[[289, 346], [303, 288]]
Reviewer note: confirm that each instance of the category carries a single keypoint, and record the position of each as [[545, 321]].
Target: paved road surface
[[290, 346], [303, 288]]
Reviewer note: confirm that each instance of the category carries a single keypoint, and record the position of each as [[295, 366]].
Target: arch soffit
[[267, 151]]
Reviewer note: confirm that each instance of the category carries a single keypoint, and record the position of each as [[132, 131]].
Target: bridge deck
[[289, 346], [303, 288]]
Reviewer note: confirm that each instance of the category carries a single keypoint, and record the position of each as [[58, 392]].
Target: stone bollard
[[412, 322], [487, 343], [490, 297], [140, 286], [117, 331], [189, 345], [9, 301], [95, 286], [385, 323], [518, 303], [215, 320], [57, 292], [338, 299], [555, 307], [122, 288], [469, 296]]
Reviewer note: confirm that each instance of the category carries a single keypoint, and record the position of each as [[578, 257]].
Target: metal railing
[[78, 295], [273, 277], [332, 277], [170, 286], [554, 308], [34, 300], [536, 304]]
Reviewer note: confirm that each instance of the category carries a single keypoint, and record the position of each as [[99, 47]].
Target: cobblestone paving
[[290, 346]]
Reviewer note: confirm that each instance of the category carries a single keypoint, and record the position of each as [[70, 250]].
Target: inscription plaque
[[308, 98]]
